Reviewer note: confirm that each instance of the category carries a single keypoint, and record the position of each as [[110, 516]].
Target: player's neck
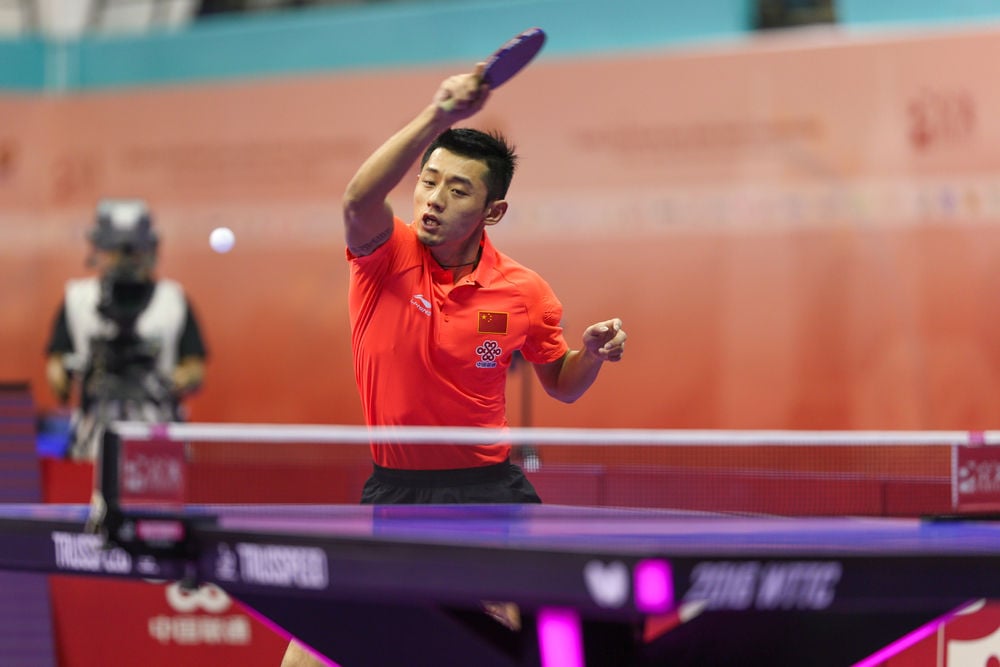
[[460, 263]]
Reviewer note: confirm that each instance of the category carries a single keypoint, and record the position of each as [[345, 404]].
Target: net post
[[141, 529], [105, 501], [109, 469]]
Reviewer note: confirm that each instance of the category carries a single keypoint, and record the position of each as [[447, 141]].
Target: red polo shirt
[[431, 352]]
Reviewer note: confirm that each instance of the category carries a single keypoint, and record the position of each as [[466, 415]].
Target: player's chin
[[429, 237]]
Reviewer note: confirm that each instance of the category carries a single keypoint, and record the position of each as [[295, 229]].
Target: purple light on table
[[654, 586], [560, 639]]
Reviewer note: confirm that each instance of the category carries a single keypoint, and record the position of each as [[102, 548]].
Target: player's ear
[[495, 211]]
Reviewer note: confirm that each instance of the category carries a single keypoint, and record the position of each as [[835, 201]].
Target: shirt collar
[[482, 275]]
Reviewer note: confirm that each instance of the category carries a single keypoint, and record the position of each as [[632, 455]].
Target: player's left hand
[[605, 340]]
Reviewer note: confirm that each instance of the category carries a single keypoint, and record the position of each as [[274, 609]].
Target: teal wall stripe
[[917, 12], [380, 35], [401, 34], [22, 64]]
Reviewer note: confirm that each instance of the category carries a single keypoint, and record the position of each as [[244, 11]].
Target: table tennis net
[[794, 473]]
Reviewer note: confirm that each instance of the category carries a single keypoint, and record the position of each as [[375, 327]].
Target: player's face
[[450, 206]]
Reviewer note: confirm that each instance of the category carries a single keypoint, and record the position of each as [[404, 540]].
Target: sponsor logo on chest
[[488, 354], [494, 323], [421, 303]]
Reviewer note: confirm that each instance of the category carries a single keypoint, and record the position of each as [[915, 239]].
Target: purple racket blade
[[511, 58]]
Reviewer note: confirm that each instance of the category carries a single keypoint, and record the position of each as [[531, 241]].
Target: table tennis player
[[437, 311]]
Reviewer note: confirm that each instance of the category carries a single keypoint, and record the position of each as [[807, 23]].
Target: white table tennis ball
[[222, 239]]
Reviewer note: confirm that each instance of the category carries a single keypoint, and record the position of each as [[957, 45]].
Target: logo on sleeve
[[491, 322], [488, 353]]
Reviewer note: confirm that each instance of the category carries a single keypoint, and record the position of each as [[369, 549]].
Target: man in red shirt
[[437, 312]]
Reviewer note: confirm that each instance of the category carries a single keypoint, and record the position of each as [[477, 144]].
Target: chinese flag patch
[[491, 322]]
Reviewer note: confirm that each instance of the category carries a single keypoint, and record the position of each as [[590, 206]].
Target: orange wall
[[798, 232]]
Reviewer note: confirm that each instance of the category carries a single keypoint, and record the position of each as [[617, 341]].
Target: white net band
[[347, 434]]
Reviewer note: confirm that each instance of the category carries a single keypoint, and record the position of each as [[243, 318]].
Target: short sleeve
[[545, 342]]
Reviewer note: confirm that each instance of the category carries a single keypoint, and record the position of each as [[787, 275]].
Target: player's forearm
[[578, 372], [389, 164]]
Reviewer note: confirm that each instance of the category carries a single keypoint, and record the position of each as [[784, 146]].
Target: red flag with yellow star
[[491, 322]]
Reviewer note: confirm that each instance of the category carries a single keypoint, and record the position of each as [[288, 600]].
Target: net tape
[[352, 434]]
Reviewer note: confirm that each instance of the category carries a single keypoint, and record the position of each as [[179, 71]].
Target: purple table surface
[[558, 527]]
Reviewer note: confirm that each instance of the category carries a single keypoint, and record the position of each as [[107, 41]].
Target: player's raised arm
[[367, 214]]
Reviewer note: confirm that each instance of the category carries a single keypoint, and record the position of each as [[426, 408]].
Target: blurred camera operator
[[131, 340]]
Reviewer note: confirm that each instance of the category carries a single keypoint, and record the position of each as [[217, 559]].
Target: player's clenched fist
[[464, 93], [605, 340]]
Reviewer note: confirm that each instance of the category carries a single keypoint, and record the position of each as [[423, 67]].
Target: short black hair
[[489, 147]]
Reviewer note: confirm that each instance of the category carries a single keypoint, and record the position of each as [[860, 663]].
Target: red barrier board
[[162, 623]]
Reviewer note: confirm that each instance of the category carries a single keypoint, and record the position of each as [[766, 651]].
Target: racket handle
[[449, 104]]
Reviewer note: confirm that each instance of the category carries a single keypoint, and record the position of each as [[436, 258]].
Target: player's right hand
[[462, 95]]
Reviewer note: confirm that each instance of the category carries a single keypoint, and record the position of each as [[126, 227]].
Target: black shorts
[[498, 483]]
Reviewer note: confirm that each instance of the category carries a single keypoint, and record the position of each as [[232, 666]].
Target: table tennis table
[[404, 585]]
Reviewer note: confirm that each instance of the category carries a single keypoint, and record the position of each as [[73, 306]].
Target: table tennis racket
[[509, 59]]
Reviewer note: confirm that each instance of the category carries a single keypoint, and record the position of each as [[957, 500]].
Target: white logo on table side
[[731, 585], [608, 584], [273, 565], [803, 585], [86, 553]]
